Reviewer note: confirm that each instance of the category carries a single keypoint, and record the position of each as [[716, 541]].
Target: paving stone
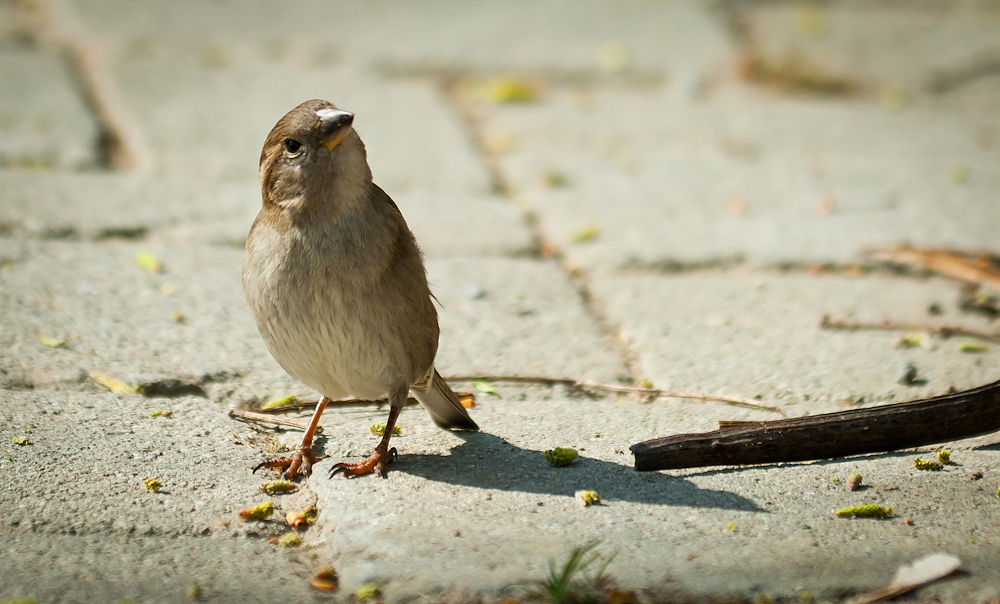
[[148, 568], [414, 140], [487, 508], [43, 121], [936, 52], [103, 205], [744, 176], [115, 319], [511, 316], [488, 36], [756, 333]]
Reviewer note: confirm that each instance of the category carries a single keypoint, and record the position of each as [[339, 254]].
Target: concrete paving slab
[[488, 36], [745, 175], [487, 511], [414, 140], [123, 568], [172, 209], [107, 205], [517, 316], [450, 225], [485, 508], [43, 121], [756, 333], [929, 50], [115, 319]]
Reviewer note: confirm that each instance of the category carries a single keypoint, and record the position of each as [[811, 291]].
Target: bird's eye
[[292, 146]]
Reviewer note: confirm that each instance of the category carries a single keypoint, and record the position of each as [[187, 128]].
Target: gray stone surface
[[756, 334], [117, 319], [43, 121], [555, 35], [911, 46], [813, 180], [708, 199]]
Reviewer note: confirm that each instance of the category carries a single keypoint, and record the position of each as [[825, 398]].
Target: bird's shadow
[[489, 462]]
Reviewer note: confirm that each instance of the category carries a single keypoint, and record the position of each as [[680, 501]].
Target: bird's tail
[[443, 404]]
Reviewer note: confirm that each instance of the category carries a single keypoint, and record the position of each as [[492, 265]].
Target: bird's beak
[[334, 127]]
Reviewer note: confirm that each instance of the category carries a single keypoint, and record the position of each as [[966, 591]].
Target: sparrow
[[337, 285]]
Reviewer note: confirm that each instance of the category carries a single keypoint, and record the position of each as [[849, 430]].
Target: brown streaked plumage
[[336, 282]]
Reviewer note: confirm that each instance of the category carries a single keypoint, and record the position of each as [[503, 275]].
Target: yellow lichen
[[152, 485], [869, 510], [290, 539], [587, 498], [560, 457], [148, 261], [927, 464], [379, 429], [276, 487], [366, 592], [258, 512], [511, 89]]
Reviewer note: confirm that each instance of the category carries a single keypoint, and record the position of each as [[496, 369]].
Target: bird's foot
[[302, 458], [376, 463]]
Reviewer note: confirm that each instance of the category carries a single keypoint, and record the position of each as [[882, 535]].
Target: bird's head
[[314, 159]]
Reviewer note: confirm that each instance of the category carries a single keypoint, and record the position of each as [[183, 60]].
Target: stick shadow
[[489, 462]]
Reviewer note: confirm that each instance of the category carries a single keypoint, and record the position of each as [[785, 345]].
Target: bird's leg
[[383, 455], [303, 456]]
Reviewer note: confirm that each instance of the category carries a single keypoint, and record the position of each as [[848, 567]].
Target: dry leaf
[[325, 579], [511, 89], [148, 261], [281, 401], [116, 386], [737, 206], [826, 205], [485, 387], [51, 342], [926, 570], [588, 232]]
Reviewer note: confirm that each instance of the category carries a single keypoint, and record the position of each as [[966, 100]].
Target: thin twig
[[641, 392], [974, 267], [645, 394], [270, 419], [944, 331]]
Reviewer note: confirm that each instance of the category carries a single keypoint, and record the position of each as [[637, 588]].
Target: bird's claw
[[302, 458], [376, 464]]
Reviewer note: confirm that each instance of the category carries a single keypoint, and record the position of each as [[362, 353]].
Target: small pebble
[[906, 374]]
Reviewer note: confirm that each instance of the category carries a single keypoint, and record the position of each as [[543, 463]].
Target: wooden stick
[[944, 331], [271, 419], [870, 430], [643, 393]]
